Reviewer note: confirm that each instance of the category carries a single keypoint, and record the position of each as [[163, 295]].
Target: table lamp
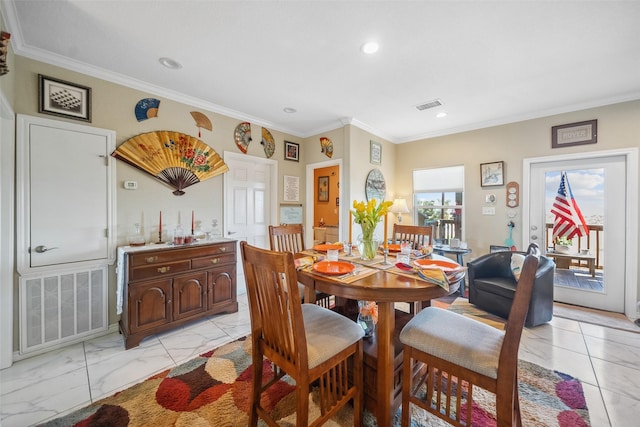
[[399, 207]]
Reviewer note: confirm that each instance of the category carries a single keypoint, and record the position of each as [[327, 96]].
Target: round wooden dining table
[[386, 288]]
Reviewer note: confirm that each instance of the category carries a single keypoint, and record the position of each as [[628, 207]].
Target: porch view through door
[[590, 270]]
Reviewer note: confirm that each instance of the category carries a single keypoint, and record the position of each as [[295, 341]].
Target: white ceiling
[[489, 63]]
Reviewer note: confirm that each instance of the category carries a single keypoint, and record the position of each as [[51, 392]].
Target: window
[[438, 196]]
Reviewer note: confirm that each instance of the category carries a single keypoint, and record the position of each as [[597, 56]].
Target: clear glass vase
[[366, 317], [367, 247], [137, 239]]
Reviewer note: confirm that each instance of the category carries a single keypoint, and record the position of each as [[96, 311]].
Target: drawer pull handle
[[152, 259], [223, 249], [215, 260], [163, 269]]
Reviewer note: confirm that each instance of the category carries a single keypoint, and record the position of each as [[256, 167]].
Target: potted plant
[[562, 245]]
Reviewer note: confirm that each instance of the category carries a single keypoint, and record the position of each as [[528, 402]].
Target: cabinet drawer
[[157, 270], [164, 256], [214, 260]]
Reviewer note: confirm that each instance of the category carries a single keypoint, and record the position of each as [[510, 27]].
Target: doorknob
[[42, 249], [231, 232], [534, 227], [534, 237]]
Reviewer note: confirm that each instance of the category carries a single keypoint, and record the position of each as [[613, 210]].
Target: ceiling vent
[[430, 104]]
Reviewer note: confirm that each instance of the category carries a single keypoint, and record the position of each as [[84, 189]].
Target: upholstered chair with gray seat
[[492, 285]]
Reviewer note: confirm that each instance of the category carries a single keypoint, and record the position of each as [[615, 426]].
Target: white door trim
[[631, 211], [7, 232], [310, 203]]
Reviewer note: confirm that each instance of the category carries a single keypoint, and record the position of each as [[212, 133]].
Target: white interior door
[[249, 202], [598, 185], [65, 193]]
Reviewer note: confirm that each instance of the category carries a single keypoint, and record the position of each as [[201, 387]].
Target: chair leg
[[256, 389], [358, 375], [302, 404], [508, 409], [406, 385]]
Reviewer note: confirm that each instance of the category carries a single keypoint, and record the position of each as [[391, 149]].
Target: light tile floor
[[606, 360]]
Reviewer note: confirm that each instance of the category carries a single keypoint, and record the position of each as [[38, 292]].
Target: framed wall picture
[[375, 153], [323, 188], [574, 134], [491, 174], [64, 99], [291, 151]]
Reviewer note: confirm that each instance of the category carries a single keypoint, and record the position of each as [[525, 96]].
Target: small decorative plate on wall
[[375, 186]]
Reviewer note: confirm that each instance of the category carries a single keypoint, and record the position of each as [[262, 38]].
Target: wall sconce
[[399, 207]]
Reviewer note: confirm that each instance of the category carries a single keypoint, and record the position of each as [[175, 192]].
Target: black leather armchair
[[492, 286]]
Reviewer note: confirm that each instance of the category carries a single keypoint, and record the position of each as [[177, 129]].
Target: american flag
[[569, 221]]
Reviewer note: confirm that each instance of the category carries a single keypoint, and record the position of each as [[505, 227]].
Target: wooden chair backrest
[[286, 238], [508, 361], [418, 235], [275, 307]]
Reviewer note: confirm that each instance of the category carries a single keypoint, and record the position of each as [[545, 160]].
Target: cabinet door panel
[[190, 295], [149, 305], [222, 284]]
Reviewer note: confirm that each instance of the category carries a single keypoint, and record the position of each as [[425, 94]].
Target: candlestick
[[192, 223], [385, 231], [160, 229], [350, 225]]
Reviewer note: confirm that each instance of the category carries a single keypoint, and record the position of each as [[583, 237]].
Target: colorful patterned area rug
[[213, 390]]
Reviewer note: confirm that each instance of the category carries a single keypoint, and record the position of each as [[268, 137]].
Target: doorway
[[598, 181], [311, 200]]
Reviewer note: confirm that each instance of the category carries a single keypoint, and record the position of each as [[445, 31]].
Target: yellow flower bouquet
[[368, 215]]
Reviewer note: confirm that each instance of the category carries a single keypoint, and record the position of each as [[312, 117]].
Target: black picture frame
[[492, 174], [292, 151], [323, 188], [64, 99], [579, 133]]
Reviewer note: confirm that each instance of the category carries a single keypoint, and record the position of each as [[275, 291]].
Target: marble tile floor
[[606, 360]]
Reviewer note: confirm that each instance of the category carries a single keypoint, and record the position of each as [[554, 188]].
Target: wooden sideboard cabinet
[[169, 286]]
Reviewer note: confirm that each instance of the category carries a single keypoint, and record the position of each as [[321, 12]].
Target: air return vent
[[430, 104], [61, 307]]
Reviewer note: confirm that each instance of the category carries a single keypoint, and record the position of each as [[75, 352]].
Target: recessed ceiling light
[[289, 110], [170, 63], [441, 115], [370, 48]]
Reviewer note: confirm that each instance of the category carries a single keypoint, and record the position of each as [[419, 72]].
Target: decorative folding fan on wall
[[202, 121], [268, 143], [175, 158], [242, 136]]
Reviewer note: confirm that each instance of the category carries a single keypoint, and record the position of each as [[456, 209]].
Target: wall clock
[[375, 186]]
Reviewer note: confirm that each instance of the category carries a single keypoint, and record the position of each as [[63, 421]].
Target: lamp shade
[[399, 206]]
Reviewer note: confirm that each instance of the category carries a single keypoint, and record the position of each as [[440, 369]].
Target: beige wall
[[618, 127], [360, 166]]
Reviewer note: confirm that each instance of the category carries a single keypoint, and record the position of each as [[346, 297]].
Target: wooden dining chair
[[460, 353], [309, 343], [290, 238], [418, 235]]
